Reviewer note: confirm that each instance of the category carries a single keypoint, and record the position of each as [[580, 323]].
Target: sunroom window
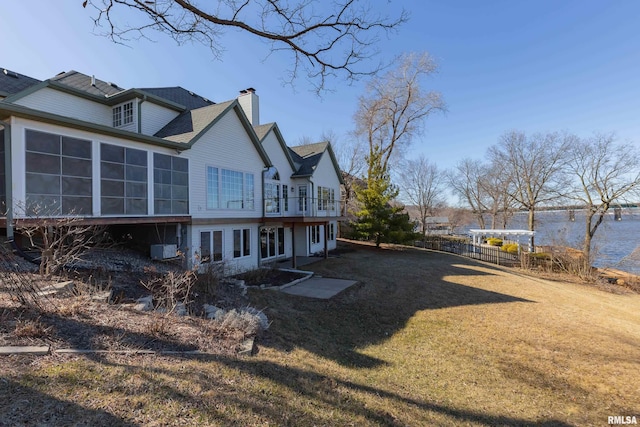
[[58, 174]]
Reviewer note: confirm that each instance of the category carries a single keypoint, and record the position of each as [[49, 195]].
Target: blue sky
[[526, 65]]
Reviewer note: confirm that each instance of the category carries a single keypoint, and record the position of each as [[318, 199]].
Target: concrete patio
[[319, 287]]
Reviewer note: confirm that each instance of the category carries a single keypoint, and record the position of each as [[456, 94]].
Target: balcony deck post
[[294, 264]]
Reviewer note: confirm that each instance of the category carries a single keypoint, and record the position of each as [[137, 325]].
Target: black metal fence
[[465, 247]]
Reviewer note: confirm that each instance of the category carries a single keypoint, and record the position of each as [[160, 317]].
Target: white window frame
[[211, 258], [326, 198], [244, 243], [315, 234], [248, 194], [122, 114]]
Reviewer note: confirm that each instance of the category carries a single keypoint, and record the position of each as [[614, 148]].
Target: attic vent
[[191, 93], [205, 100], [113, 85], [10, 73]]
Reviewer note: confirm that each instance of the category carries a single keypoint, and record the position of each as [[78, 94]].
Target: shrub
[[511, 248], [31, 329], [540, 255], [172, 289], [494, 241], [249, 321]]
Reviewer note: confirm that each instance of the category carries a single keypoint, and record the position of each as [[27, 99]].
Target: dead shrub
[[209, 279], [241, 321], [159, 326], [172, 289], [99, 280], [71, 307], [248, 321], [32, 328]]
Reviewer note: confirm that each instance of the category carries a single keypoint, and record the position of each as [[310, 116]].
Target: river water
[[616, 244]]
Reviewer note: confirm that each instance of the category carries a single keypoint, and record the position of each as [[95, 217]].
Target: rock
[[212, 312], [264, 321], [180, 309], [248, 347], [144, 303], [102, 296], [57, 288]]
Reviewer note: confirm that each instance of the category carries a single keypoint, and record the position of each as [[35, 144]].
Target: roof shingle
[[190, 123], [82, 82], [12, 82], [308, 156], [180, 96]]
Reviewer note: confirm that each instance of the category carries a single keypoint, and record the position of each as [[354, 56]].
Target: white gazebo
[[478, 234]]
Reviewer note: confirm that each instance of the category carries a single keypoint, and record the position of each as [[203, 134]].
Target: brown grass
[[424, 339]]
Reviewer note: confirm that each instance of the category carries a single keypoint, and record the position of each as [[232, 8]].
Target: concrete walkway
[[319, 287]]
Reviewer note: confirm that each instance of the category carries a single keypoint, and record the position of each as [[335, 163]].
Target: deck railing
[[465, 247], [302, 207]]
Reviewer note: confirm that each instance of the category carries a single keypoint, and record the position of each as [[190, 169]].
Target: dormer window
[[123, 114]]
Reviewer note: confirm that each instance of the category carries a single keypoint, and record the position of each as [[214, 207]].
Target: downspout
[[140, 101], [8, 178]]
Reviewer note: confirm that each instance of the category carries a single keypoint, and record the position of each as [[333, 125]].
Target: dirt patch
[[268, 277]]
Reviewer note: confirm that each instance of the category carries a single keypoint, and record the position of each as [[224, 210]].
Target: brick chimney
[[250, 104]]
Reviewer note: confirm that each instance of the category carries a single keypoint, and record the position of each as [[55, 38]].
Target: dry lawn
[[425, 338]]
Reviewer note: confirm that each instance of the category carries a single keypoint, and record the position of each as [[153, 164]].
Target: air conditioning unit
[[164, 251]]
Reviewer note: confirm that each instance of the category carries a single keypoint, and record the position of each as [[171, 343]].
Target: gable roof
[[197, 117], [84, 86], [189, 124], [12, 82], [180, 96], [263, 130], [309, 155]]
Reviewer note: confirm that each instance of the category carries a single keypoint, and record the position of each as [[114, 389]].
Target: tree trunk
[[586, 247], [481, 221], [531, 223], [589, 233]]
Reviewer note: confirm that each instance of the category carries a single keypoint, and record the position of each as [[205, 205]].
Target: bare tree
[[324, 39], [457, 216], [351, 158], [534, 165], [60, 240], [605, 173], [496, 184], [466, 181], [394, 108], [421, 183]]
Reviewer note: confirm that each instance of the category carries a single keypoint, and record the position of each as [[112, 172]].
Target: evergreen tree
[[378, 219]]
